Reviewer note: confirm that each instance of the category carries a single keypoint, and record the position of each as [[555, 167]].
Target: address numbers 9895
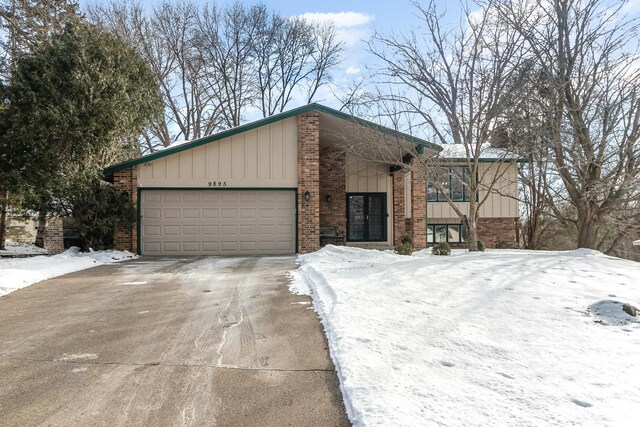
[[217, 183]]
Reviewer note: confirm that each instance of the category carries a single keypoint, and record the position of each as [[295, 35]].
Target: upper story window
[[455, 183]]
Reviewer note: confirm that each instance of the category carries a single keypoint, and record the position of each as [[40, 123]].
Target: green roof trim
[[262, 122], [488, 160]]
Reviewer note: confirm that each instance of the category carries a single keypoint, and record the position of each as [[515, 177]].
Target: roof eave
[[262, 122]]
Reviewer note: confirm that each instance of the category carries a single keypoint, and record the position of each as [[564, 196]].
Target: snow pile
[[21, 249], [505, 337], [487, 152], [16, 273]]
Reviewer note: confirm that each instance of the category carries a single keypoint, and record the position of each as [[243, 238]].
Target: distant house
[[277, 185]]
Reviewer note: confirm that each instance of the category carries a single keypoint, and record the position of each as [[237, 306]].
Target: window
[[451, 233], [456, 183]]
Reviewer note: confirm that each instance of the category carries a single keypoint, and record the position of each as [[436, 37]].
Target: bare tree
[[216, 63], [588, 54], [293, 56], [224, 43], [456, 83], [165, 37]]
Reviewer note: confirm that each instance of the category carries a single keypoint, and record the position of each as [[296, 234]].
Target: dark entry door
[[367, 217]]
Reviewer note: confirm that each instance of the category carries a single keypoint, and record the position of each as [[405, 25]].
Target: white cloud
[[352, 70], [339, 19], [351, 27]]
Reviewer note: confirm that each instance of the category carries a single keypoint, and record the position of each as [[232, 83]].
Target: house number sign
[[217, 183]]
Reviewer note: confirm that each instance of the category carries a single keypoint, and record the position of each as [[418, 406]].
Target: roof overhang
[[323, 110]]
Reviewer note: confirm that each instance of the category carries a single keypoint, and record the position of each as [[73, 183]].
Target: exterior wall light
[[306, 196]]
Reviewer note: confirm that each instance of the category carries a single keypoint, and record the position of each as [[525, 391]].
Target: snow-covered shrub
[[480, 245], [441, 248], [404, 249]]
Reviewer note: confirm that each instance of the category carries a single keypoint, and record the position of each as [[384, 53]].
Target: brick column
[[418, 211], [334, 185], [53, 236], [308, 181], [399, 222], [126, 238]]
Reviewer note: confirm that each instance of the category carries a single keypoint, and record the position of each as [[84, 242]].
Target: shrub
[[501, 244], [441, 248], [404, 249], [97, 211], [405, 239], [480, 245]]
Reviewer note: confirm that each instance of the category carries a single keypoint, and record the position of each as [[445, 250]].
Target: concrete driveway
[[166, 341]]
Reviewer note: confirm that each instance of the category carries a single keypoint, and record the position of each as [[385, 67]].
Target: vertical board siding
[[501, 203], [263, 157]]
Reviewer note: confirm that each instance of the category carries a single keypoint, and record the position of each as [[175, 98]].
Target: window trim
[[440, 197], [432, 227]]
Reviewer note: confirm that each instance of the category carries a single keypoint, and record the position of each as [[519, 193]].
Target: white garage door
[[218, 222]]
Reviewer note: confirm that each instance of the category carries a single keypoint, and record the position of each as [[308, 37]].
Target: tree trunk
[[42, 229], [587, 229], [4, 205], [472, 232]]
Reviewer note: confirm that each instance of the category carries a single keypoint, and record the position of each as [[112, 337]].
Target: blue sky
[[355, 20]]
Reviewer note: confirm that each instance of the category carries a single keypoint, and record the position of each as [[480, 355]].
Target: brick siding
[[418, 211], [494, 230], [308, 181], [54, 236], [126, 238], [334, 185], [399, 222]]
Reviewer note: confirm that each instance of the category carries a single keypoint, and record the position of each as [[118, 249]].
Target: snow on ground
[[16, 273], [21, 249], [506, 337]]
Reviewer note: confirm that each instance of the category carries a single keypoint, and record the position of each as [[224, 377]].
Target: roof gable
[[263, 122]]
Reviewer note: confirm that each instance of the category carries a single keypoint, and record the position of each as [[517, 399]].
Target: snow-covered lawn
[[16, 273], [505, 337], [21, 249]]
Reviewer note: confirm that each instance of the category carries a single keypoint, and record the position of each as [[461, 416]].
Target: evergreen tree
[[75, 105], [23, 25]]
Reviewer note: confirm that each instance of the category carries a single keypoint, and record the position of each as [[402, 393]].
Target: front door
[[367, 217]]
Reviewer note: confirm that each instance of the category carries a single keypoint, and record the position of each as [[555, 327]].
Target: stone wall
[[308, 181], [126, 181]]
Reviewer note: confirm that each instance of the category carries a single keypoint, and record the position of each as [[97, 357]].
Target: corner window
[[455, 183], [450, 233]]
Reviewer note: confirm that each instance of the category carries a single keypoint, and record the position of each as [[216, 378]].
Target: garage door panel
[[191, 247], [191, 213], [171, 247], [210, 197], [171, 197], [171, 230], [210, 247], [218, 222], [191, 196], [171, 213], [210, 213], [210, 230], [190, 230], [151, 247], [152, 230]]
